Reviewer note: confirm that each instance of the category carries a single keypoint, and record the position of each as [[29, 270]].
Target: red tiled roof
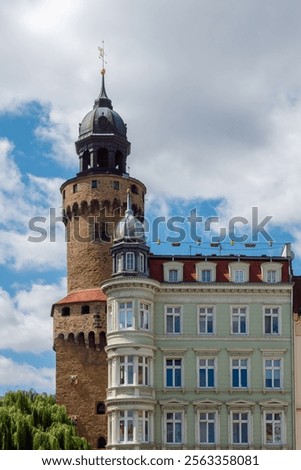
[[87, 295], [222, 268]]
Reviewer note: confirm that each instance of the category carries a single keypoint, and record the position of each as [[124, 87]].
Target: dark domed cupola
[[102, 144], [130, 252]]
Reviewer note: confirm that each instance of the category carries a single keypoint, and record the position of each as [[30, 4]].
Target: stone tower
[[93, 202]]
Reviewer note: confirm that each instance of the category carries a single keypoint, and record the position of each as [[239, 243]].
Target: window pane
[[178, 432], [244, 433], [169, 432], [177, 324], [169, 378], [178, 378], [202, 378], [244, 381], [169, 323], [235, 378], [210, 378], [275, 325], [267, 324]]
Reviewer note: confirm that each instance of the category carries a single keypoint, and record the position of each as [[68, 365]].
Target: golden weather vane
[[102, 55]]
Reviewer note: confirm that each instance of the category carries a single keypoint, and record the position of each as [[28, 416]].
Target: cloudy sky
[[211, 93]]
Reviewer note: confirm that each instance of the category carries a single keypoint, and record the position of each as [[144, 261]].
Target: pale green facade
[[175, 410]]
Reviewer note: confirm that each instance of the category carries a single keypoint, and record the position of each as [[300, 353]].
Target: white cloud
[[15, 375], [26, 316], [25, 205]]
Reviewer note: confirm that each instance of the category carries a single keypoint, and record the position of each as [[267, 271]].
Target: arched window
[[65, 311], [101, 443], [81, 338], [86, 160], [134, 189], [141, 260], [119, 161], [100, 408], [102, 158], [85, 309], [130, 261], [119, 262], [91, 339], [102, 339], [71, 338]]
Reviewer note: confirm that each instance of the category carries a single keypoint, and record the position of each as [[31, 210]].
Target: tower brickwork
[[93, 202]]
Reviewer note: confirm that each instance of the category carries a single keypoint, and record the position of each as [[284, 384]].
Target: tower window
[[85, 309], [141, 260], [102, 158], [134, 189], [119, 262], [130, 261], [101, 443], [75, 188], [65, 311], [100, 408], [94, 184], [64, 194], [116, 185]]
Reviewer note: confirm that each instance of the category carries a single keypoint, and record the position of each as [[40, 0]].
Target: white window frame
[[133, 370], [143, 374], [205, 266], [144, 316], [128, 313], [273, 368], [137, 426], [119, 262], [173, 275], [274, 423], [240, 367], [126, 370], [239, 266], [206, 311], [130, 261], [141, 263], [173, 265], [239, 311], [174, 417], [174, 368], [270, 311], [242, 422], [143, 427], [127, 417], [206, 364], [110, 317], [269, 267], [174, 311], [203, 417]]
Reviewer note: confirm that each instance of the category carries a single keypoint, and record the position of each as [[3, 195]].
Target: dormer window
[[239, 272], [206, 275], [173, 271], [272, 276], [205, 271], [173, 275], [239, 275], [271, 272]]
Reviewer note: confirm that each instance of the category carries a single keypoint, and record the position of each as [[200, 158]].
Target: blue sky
[[211, 95]]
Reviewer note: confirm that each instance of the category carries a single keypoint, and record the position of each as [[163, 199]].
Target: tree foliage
[[31, 421]]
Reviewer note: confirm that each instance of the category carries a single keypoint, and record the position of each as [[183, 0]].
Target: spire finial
[[103, 99], [102, 55], [128, 203]]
